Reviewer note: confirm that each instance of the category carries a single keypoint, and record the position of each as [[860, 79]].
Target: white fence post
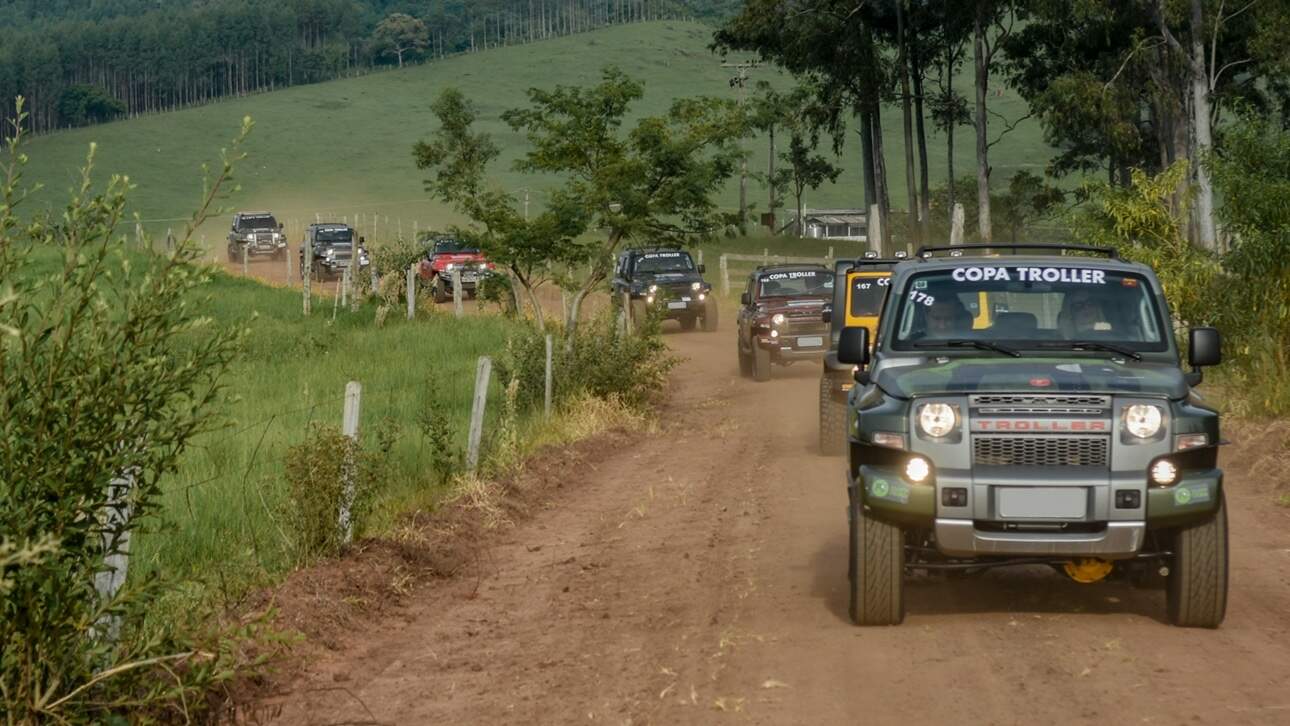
[[412, 291], [457, 309], [830, 257], [307, 273], [245, 262], [700, 257], [725, 277], [956, 225], [349, 427], [116, 545], [765, 256], [482, 372], [549, 375]]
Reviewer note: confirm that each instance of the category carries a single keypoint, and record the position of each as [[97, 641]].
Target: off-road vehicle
[[1031, 409], [256, 234], [859, 290], [446, 254], [781, 317], [668, 281], [333, 249]]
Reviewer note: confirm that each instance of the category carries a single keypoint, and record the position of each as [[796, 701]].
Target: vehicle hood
[[457, 258], [1031, 375]]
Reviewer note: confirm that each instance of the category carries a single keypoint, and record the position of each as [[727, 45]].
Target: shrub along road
[[700, 575]]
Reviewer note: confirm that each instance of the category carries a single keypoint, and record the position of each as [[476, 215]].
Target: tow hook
[[1088, 570]]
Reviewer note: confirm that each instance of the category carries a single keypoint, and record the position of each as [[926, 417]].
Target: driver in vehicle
[[947, 318], [1083, 314]]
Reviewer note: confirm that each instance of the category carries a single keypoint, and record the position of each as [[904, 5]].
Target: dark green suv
[[1032, 409]]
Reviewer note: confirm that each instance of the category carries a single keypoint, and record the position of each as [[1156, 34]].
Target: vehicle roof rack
[[925, 253]]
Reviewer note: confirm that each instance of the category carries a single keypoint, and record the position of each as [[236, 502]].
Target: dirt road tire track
[[700, 576]]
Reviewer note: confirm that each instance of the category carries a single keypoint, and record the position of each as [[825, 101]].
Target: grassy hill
[[344, 147]]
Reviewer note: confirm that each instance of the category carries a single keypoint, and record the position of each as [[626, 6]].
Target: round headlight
[[917, 470], [777, 319], [696, 285], [1143, 420], [937, 419], [448, 267]]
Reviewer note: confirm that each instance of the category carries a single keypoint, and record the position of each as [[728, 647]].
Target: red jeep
[[446, 255]]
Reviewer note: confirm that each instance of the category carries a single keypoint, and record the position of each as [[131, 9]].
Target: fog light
[[702, 297], [649, 299], [954, 497], [1164, 473], [774, 333], [1128, 499], [917, 470]]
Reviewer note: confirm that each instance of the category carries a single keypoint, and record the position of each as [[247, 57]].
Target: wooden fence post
[[830, 258], [956, 225], [725, 277], [482, 372], [286, 256], [765, 256], [628, 323], [245, 255], [700, 257], [457, 309], [307, 273], [412, 291], [549, 375], [349, 427]]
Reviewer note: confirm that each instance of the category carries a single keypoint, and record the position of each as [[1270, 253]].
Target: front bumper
[[677, 305], [794, 346], [975, 529], [262, 248]]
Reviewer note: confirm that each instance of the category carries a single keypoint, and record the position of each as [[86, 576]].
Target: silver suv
[[256, 234]]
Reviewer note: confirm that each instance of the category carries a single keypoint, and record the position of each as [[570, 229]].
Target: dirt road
[[699, 577]]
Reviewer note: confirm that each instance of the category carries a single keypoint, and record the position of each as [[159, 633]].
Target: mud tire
[[1196, 594], [760, 364], [833, 420], [745, 361], [688, 323], [877, 569], [709, 316]]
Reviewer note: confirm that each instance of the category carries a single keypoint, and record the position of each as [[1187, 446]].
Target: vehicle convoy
[[256, 234], [1064, 433], [781, 318], [859, 290], [666, 281], [332, 250], [443, 256]]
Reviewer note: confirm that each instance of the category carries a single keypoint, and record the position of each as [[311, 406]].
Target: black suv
[[780, 317], [254, 234], [333, 249], [666, 280]]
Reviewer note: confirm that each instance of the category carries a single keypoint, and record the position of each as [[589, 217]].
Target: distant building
[[843, 224]]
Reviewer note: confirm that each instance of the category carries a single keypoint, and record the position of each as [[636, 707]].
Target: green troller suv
[[1063, 431]]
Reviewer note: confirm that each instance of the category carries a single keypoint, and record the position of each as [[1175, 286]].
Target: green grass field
[[343, 148]]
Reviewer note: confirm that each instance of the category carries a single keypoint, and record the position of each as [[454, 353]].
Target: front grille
[[1039, 400], [1039, 450]]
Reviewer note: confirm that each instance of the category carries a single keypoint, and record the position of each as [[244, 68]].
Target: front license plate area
[[811, 342], [676, 306], [1041, 502]]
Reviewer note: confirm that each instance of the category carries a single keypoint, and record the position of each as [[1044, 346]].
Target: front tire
[[745, 361], [760, 364], [1197, 585], [833, 420], [689, 323], [877, 568], [710, 316]]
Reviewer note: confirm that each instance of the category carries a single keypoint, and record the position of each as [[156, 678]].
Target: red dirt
[[697, 575]]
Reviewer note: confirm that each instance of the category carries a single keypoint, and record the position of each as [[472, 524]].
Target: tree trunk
[[924, 181], [866, 153], [902, 61], [949, 168], [1200, 109], [770, 180], [982, 147], [880, 181]]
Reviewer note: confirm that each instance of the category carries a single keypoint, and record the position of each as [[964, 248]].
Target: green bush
[[106, 372]]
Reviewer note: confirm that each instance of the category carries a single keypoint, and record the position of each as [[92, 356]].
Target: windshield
[[1029, 308], [334, 234], [451, 246], [867, 295], [796, 283], [263, 221], [653, 262]]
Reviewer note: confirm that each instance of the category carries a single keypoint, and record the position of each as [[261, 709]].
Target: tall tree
[[401, 34]]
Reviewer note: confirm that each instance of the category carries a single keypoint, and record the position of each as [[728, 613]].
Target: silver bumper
[[960, 538]]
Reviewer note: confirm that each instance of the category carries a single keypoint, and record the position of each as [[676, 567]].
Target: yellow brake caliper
[[1088, 569]]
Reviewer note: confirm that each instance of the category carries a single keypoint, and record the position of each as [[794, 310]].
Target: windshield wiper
[[1094, 345], [965, 343]]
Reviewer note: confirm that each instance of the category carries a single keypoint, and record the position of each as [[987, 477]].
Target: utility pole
[[740, 81]]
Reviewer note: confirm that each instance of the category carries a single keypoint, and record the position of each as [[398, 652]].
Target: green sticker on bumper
[[895, 491], [1191, 494]]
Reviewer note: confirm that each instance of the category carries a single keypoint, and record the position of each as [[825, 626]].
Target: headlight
[[653, 289], [696, 285], [777, 319], [250, 237], [1143, 420], [937, 419], [449, 267], [330, 253]]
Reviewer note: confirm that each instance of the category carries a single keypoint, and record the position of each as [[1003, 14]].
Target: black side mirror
[[745, 299], [827, 314], [853, 346], [1205, 347], [702, 269]]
